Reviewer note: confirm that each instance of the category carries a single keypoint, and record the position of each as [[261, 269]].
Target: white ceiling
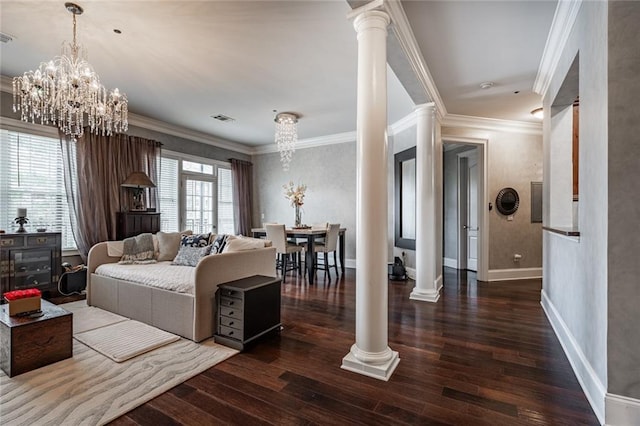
[[183, 61]]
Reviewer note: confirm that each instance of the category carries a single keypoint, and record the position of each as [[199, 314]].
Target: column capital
[[371, 19], [425, 108]]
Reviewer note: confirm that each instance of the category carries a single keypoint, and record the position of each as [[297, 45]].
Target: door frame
[[463, 204], [483, 202]]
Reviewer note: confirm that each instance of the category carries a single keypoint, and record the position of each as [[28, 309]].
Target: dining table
[[311, 234]]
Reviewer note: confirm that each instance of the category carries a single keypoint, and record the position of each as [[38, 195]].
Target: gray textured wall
[[515, 160], [330, 174], [575, 272], [623, 358]]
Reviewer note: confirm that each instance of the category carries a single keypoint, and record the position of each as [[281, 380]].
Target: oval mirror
[[507, 201]]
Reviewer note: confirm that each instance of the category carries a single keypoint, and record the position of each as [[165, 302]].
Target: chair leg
[[326, 265], [284, 266], [299, 255], [335, 263]]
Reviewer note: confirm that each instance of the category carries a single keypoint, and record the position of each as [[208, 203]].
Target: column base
[[377, 370], [430, 295]]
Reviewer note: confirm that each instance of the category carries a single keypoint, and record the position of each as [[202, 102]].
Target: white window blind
[[168, 194], [225, 202], [31, 177]]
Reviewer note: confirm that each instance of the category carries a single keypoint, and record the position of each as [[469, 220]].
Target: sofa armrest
[[217, 269], [98, 255]]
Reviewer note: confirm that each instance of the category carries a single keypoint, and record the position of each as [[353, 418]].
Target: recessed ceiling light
[[538, 113], [486, 85]]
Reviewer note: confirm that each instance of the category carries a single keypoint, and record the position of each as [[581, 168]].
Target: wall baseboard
[[514, 274], [591, 385], [411, 273], [621, 410], [450, 263], [349, 263]]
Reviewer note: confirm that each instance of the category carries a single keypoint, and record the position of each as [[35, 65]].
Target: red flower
[[22, 294]]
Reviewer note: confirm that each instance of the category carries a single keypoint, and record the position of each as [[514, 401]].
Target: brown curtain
[[94, 167], [242, 174]]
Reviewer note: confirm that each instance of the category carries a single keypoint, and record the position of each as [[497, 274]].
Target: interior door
[[472, 213], [199, 213]]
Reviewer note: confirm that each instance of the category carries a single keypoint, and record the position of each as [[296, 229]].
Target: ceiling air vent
[[223, 118], [5, 38]]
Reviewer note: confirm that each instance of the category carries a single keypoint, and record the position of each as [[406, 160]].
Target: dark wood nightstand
[[30, 343], [130, 224], [247, 309]]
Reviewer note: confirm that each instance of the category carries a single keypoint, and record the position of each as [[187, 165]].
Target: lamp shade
[[138, 180]]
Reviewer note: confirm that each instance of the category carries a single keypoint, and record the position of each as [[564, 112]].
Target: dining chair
[[329, 245], [285, 262]]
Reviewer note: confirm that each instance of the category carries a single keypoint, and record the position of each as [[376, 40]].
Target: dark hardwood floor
[[483, 355]]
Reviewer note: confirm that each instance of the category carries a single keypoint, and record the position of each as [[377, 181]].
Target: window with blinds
[[186, 195], [225, 202], [168, 194], [31, 177]]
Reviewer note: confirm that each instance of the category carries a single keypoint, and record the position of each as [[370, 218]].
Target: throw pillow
[[197, 240], [190, 256], [220, 242], [168, 244], [138, 249]]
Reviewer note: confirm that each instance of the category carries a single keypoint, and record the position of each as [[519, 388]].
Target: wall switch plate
[[509, 218]]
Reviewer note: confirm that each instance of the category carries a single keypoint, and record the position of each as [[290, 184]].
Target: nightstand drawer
[[230, 302], [226, 292], [231, 332], [231, 322], [231, 312]]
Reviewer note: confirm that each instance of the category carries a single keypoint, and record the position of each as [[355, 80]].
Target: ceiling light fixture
[[286, 136], [486, 85], [538, 113], [65, 89]]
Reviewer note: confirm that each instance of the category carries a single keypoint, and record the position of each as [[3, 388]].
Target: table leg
[[341, 242], [309, 256]]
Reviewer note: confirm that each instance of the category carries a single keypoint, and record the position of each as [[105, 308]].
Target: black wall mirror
[[507, 201], [405, 199]]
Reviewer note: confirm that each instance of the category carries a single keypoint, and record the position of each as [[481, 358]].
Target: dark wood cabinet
[[30, 260], [247, 309], [131, 224], [30, 343]]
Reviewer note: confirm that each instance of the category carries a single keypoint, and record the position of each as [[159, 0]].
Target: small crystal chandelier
[[65, 89], [286, 136]]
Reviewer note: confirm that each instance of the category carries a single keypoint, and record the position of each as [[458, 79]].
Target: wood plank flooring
[[483, 355]]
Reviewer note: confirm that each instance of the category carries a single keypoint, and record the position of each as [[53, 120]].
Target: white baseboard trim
[[621, 410], [349, 263], [450, 263], [591, 385], [411, 273], [438, 283], [514, 274]]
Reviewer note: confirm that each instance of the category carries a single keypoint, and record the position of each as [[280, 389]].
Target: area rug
[[125, 339], [91, 389], [87, 318]]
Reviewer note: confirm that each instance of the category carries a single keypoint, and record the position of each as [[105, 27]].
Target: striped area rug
[[91, 389]]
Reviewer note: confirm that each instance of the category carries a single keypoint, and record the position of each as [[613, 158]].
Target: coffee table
[[30, 343]]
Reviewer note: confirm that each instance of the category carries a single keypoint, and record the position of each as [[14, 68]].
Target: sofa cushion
[[168, 244], [220, 242], [190, 256], [245, 243]]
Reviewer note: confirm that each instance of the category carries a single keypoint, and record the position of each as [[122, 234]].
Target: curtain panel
[[242, 175], [94, 168]]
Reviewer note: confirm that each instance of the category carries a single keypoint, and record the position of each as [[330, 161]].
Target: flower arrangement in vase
[[295, 195]]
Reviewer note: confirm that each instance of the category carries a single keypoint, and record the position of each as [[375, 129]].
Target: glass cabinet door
[[31, 268]]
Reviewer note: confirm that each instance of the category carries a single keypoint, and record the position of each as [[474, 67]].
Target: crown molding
[[182, 132], [563, 20], [309, 142], [404, 34], [454, 120], [403, 124]]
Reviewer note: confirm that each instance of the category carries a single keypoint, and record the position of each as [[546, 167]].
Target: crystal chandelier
[[286, 136], [65, 89]]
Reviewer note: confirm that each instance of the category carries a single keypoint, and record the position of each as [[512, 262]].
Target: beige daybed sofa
[[188, 314]]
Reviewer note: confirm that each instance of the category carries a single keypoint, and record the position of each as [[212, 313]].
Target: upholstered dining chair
[[288, 254], [329, 245]]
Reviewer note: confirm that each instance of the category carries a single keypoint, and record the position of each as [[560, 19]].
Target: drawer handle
[[231, 323], [231, 313], [7, 242], [230, 333], [230, 303], [41, 240]]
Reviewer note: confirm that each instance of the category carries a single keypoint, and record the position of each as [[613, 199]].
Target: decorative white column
[[427, 286], [370, 355]]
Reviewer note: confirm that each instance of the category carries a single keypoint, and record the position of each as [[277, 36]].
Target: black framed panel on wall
[[405, 198]]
